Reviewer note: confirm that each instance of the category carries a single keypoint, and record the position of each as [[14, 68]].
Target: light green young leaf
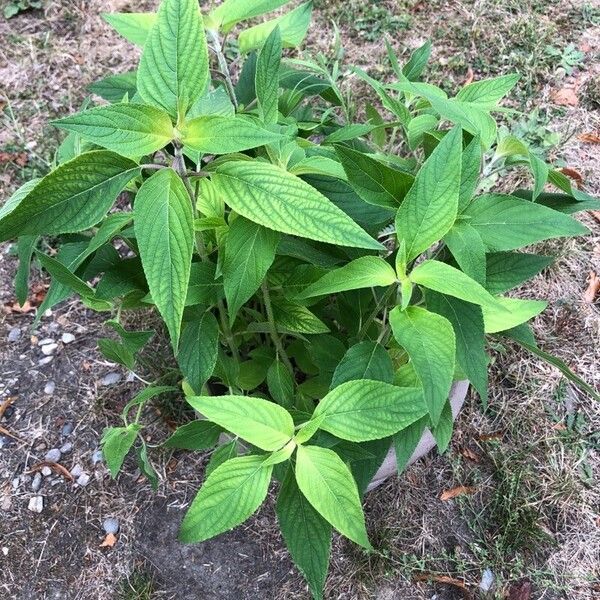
[[487, 93], [260, 422], [270, 196], [364, 272], [230, 494], [164, 229], [73, 197], [507, 222], [134, 27], [116, 444], [350, 132], [467, 321], [198, 350], [249, 252], [306, 533], [327, 483], [267, 78], [417, 62], [511, 146], [510, 312], [230, 12], [374, 181], [507, 270], [223, 135], [173, 71], [418, 126], [468, 250], [197, 435], [293, 27], [430, 342], [318, 165], [443, 278], [365, 360], [364, 410], [431, 205], [129, 129]]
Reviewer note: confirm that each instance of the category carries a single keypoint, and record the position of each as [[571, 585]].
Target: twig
[[273, 328]]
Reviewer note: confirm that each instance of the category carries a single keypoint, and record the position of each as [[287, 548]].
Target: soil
[[532, 458]]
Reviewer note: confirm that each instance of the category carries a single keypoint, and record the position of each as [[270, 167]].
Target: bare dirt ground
[[532, 527]]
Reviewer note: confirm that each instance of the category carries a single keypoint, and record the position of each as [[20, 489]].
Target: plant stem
[[217, 48], [227, 333], [273, 329], [371, 317], [153, 166]]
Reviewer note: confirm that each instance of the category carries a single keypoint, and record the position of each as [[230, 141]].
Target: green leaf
[[260, 422], [249, 252], [507, 222], [507, 270], [365, 360], [327, 483], [509, 313], [281, 384], [468, 250], [197, 435], [73, 197], [134, 27], [291, 316], [443, 278], [365, 410], [17, 197], [129, 129], [470, 173], [267, 78], [146, 467], [133, 340], [364, 272], [540, 172], [430, 342], [173, 71], [25, 247], [442, 432], [418, 127], [430, 207], [318, 165], [116, 352], [231, 12], [374, 181], [164, 229], [270, 196], [230, 494], [223, 135], [511, 146], [487, 93], [114, 88], [198, 350], [116, 444], [407, 440], [64, 276], [467, 321], [293, 27], [306, 533], [350, 132], [415, 66]]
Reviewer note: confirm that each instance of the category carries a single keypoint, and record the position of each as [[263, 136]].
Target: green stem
[[227, 333], [217, 48], [371, 317], [273, 328]]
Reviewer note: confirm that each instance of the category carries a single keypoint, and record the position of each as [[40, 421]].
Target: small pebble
[[111, 525], [36, 484], [49, 349], [53, 455], [15, 483], [83, 479], [6, 503], [130, 377], [111, 378], [6, 442], [97, 457], [487, 580], [46, 471], [45, 361], [77, 470], [14, 334], [45, 342], [53, 327], [49, 388], [66, 448], [67, 429], [36, 504], [67, 338]]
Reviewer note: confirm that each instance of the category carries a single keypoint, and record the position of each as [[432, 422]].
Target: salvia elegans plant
[[321, 293]]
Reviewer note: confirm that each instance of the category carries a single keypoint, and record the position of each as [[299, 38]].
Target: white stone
[[67, 338], [49, 388], [49, 349], [36, 504]]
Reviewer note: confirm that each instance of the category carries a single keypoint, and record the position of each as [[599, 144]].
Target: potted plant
[[325, 281]]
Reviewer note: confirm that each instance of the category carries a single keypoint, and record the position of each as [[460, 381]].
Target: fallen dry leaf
[[5, 404], [461, 490], [4, 431], [592, 289], [470, 76], [520, 591], [565, 97], [15, 308], [576, 176], [495, 435], [19, 158], [109, 541], [470, 454], [595, 214], [56, 467], [589, 138], [445, 579]]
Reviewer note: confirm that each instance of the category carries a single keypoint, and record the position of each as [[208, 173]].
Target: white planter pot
[[457, 396]]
